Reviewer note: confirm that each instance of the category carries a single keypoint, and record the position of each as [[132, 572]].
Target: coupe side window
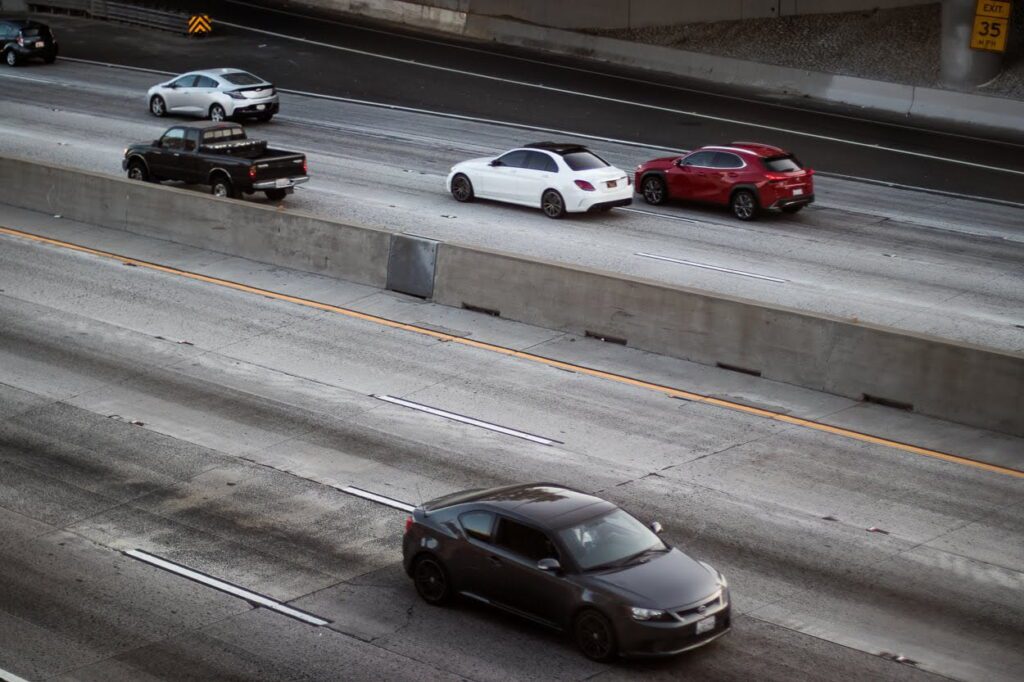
[[173, 139], [700, 159], [516, 159], [524, 541], [478, 525]]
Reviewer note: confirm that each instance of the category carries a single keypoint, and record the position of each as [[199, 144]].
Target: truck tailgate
[[274, 166]]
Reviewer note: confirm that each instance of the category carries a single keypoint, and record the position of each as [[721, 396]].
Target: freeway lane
[[936, 265], [346, 59], [248, 430]]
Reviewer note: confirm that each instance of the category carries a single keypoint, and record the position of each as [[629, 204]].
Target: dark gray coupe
[[570, 561]]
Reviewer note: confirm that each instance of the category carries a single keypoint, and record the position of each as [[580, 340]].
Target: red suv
[[745, 176]]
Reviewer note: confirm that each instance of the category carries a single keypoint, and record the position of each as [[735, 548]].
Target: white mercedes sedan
[[216, 94], [557, 178]]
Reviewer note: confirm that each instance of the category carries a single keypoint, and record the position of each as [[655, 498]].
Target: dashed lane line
[[531, 357]]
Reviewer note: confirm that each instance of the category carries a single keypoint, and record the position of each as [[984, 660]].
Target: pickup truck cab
[[218, 154]]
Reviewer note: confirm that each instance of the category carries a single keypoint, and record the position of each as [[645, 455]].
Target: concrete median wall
[[290, 239], [973, 385]]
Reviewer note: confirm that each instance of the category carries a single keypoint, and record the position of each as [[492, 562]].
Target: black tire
[[793, 208], [157, 106], [431, 580], [654, 190], [217, 113], [137, 171], [462, 188], [595, 636], [50, 59], [264, 118], [11, 58], [221, 186], [553, 205], [743, 204], [276, 194]]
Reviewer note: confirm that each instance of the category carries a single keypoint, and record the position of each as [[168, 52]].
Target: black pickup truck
[[219, 155]]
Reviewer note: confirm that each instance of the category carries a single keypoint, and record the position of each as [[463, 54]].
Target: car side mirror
[[550, 565], [656, 527], [156, 143], [496, 162], [679, 162]]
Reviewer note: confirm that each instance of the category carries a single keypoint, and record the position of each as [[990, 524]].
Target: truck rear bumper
[[280, 183]]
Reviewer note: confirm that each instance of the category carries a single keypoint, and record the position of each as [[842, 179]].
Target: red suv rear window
[[783, 164]]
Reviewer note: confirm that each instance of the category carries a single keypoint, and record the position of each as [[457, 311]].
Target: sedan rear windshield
[[783, 164], [33, 32], [242, 78], [607, 540], [580, 161]]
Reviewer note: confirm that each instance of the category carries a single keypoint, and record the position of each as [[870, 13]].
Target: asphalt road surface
[[931, 264], [227, 455]]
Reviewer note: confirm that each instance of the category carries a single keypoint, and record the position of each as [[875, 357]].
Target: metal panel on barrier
[[411, 262]]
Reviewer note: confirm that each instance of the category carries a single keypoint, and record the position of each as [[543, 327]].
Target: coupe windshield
[[607, 540]]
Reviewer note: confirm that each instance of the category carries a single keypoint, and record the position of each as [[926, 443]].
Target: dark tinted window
[[524, 541], [173, 138], [727, 160], [478, 524], [185, 81], [205, 82], [516, 159], [33, 32], [224, 134], [542, 162], [783, 164], [703, 159], [580, 161], [241, 78]]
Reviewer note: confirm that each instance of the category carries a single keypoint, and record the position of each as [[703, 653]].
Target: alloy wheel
[[594, 636], [156, 106], [654, 191], [743, 205], [217, 113], [135, 173], [431, 582], [11, 58], [552, 204], [461, 189]]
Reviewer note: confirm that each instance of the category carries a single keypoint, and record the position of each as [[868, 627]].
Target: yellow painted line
[[580, 369]]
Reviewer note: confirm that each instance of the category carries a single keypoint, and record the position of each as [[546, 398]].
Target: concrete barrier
[[263, 233], [959, 382]]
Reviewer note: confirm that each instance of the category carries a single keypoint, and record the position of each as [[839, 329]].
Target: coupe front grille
[[707, 605]]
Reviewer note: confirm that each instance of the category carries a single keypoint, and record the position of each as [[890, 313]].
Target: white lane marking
[[465, 420], [10, 677], [27, 78], [711, 267], [630, 79], [586, 136], [626, 102], [380, 499], [661, 215], [234, 590]]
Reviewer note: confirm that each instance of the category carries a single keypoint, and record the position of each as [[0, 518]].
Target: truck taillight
[[408, 523], [252, 171], [305, 167], [21, 40]]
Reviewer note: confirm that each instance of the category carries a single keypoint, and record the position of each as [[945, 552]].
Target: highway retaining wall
[[959, 382]]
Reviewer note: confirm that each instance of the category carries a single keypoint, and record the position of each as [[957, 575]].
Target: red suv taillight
[[775, 177], [408, 523], [584, 185]]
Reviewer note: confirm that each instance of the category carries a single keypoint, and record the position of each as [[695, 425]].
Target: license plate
[[706, 625], [282, 182], [40, 43], [261, 107], [797, 192], [612, 184]]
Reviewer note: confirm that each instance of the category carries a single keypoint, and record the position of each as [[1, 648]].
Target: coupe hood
[[666, 581]]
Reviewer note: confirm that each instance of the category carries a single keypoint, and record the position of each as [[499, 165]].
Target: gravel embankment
[[899, 45]]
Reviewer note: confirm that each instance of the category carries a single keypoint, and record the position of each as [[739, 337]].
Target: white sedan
[[216, 94], [558, 178]]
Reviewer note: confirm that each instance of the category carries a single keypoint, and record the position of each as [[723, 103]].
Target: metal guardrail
[[126, 13]]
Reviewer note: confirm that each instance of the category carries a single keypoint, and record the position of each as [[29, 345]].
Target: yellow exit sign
[[991, 23]]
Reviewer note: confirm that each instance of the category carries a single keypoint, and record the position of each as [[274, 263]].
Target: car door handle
[[495, 561]]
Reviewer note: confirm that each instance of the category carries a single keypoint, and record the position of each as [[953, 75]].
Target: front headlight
[[648, 614]]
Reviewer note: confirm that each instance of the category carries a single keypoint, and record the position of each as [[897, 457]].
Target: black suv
[[570, 561], [23, 39]]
